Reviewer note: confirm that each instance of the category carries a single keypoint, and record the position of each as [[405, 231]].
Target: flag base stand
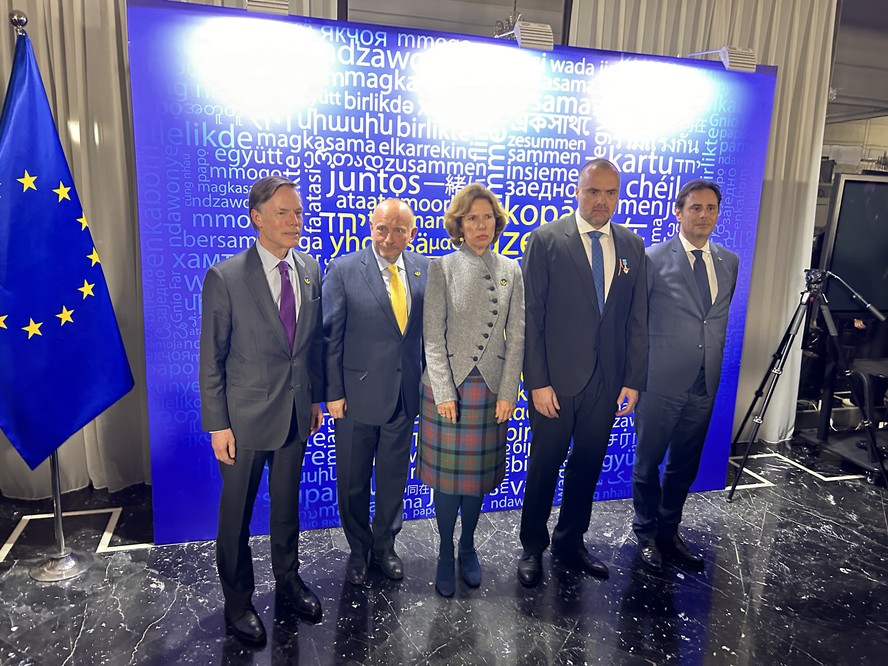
[[63, 566], [66, 563]]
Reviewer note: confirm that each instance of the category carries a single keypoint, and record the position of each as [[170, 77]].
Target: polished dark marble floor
[[796, 573]]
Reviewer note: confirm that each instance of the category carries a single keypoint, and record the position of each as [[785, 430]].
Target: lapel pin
[[306, 280], [417, 273], [719, 258], [504, 282], [624, 266]]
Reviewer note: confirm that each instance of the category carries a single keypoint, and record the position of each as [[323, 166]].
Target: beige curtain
[[80, 46], [797, 37]]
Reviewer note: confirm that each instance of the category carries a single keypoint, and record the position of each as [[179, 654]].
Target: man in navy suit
[[585, 360], [690, 285], [261, 385], [373, 348]]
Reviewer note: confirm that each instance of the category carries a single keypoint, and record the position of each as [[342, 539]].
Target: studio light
[[734, 58], [528, 35]]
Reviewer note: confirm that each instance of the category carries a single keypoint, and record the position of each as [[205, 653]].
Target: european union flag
[[62, 361]]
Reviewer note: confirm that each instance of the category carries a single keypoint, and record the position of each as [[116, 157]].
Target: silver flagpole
[[65, 563]]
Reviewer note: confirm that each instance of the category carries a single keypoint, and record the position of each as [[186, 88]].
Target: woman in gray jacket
[[473, 330]]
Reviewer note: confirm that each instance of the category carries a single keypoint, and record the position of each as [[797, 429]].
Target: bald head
[[392, 227]]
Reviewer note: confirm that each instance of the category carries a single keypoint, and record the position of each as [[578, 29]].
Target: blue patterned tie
[[702, 279], [598, 268]]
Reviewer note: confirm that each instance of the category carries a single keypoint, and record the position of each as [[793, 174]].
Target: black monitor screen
[[857, 242]]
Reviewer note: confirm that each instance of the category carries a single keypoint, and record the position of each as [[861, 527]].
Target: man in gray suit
[[585, 359], [690, 285], [373, 347], [261, 384]]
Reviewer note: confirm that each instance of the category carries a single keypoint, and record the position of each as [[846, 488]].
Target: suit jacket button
[[493, 300], [474, 358], [699, 346], [487, 277], [486, 335], [493, 312], [490, 324], [480, 347]]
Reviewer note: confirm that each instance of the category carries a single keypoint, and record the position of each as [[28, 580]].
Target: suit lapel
[[257, 283], [577, 252], [619, 253], [377, 285], [722, 276], [303, 281], [414, 275]]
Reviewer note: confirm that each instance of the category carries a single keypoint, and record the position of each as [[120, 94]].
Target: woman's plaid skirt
[[467, 457]]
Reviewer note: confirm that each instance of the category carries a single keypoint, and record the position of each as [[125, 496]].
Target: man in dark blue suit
[[373, 348], [691, 282], [585, 359]]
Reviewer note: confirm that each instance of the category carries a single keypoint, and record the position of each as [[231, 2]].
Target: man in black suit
[[691, 281], [373, 348], [261, 384], [585, 360]]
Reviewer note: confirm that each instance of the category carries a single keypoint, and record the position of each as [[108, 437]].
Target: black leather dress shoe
[[676, 550], [246, 625], [650, 555], [530, 570], [582, 560], [390, 563], [356, 569], [302, 600]]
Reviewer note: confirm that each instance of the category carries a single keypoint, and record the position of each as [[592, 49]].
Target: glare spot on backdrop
[[476, 89], [261, 67], [641, 100]]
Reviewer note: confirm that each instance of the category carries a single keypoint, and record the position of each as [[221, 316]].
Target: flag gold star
[[87, 289], [83, 222], [27, 181], [3, 321], [94, 256], [65, 316], [62, 191], [33, 329]]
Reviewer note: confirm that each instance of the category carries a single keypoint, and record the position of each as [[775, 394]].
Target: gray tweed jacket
[[473, 317]]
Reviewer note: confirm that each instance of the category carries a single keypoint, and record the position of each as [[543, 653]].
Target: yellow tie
[[399, 298]]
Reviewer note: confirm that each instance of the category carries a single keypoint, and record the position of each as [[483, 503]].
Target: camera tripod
[[811, 297]]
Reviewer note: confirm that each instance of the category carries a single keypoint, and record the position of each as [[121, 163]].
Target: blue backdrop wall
[[357, 113]]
